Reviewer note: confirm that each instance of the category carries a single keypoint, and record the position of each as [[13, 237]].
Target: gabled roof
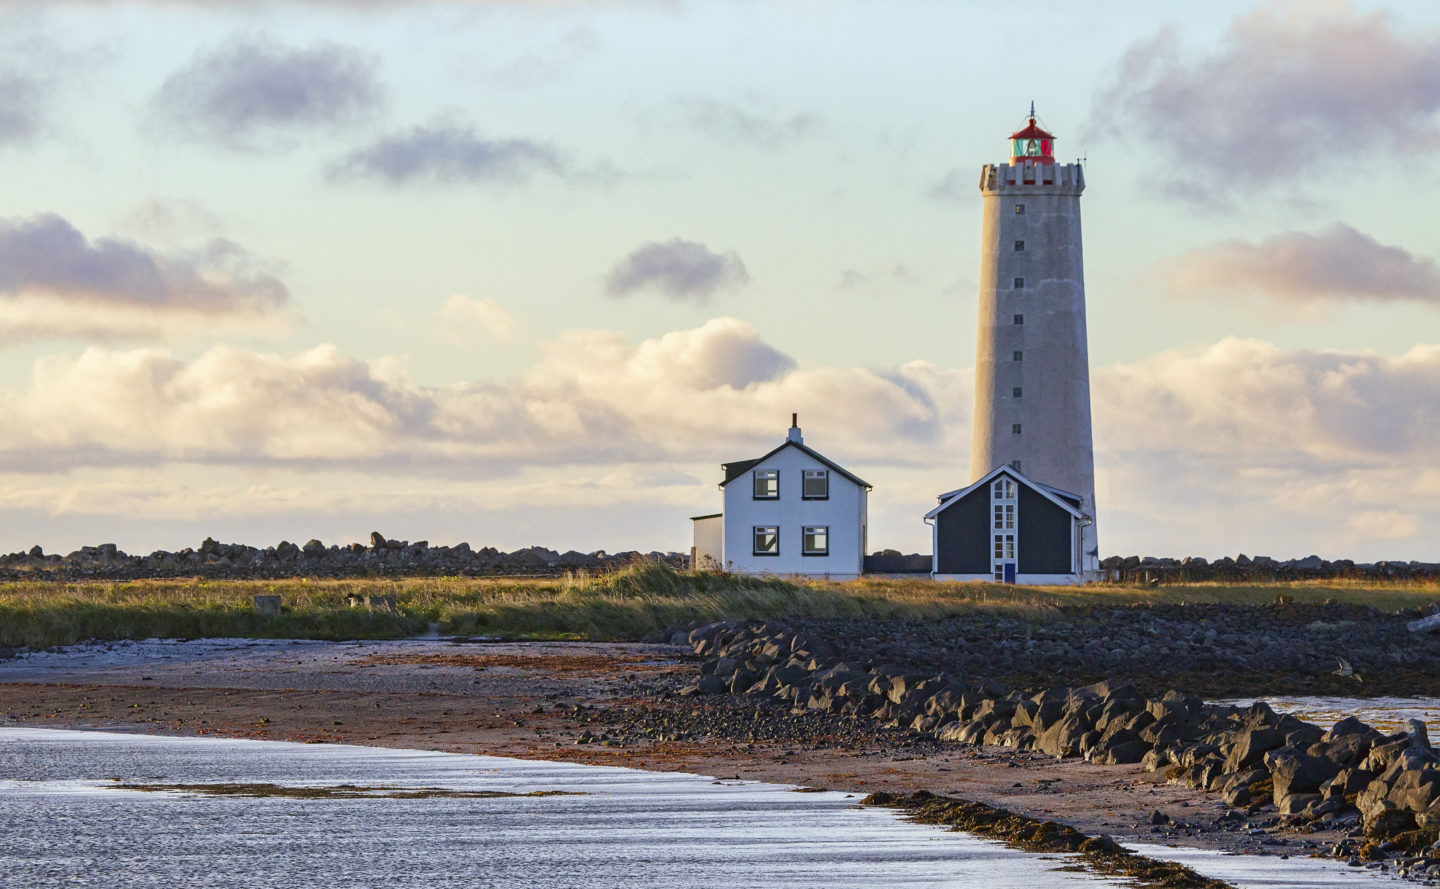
[[950, 498], [735, 470]]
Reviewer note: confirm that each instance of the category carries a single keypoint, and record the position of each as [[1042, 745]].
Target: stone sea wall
[[1148, 569], [381, 557]]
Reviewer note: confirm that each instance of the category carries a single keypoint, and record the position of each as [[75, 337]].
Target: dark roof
[[1054, 495], [737, 469], [713, 515]]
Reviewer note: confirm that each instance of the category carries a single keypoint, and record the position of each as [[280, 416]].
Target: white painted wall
[[845, 513], [1054, 445], [708, 551]]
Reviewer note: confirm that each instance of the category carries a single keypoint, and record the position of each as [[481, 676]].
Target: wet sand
[[537, 700]]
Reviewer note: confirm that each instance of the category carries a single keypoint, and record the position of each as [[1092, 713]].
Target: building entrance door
[[1009, 572]]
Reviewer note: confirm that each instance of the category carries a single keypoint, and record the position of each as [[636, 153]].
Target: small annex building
[[791, 512], [1009, 528]]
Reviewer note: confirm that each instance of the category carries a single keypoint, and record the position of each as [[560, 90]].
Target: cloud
[[1292, 88], [449, 153], [47, 256], [55, 282], [1336, 265], [596, 398], [745, 124], [1257, 405], [678, 269], [252, 93], [463, 319], [22, 107]]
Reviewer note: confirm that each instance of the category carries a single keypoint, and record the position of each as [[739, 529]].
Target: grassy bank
[[627, 604]]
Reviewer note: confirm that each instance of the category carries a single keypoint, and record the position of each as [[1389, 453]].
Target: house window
[[1017, 356], [1015, 393], [817, 540], [1019, 283], [1003, 489], [1019, 209], [767, 540], [1015, 428], [1004, 547], [1019, 245], [767, 484], [817, 484], [1019, 319], [1004, 517]]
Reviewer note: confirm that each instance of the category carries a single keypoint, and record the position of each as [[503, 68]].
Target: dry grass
[[630, 603]]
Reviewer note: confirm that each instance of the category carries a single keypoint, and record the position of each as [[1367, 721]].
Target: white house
[[792, 511], [1009, 528]]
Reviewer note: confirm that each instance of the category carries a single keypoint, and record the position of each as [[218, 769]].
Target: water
[[63, 823], [1385, 714]]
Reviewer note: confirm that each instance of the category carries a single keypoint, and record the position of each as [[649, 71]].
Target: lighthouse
[[1028, 514]]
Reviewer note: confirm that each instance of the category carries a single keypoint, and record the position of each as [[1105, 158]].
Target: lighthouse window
[[1019, 245], [1019, 319], [1019, 209], [1019, 283], [1015, 393], [1015, 428], [1015, 465], [1017, 356]]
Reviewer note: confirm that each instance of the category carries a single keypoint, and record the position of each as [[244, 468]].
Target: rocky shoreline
[[1382, 791]]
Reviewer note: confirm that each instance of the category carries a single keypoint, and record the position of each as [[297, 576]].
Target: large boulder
[[1250, 747]]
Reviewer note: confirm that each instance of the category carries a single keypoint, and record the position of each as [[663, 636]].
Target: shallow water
[[62, 822], [1385, 714], [65, 826]]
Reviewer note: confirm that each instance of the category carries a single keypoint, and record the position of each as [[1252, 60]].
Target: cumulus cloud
[[252, 92], [463, 319], [452, 153], [595, 398], [1293, 86], [749, 123], [1259, 405], [678, 269], [1338, 264]]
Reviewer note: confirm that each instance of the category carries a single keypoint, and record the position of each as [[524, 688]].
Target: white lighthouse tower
[[1032, 374]]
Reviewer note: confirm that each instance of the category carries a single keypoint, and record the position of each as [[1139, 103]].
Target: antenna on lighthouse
[[1032, 107]]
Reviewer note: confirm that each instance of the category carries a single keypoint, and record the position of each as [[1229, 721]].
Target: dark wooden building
[[1008, 528]]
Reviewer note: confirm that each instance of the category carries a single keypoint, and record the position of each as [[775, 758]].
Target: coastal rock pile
[[1351, 776], [314, 559], [1148, 569]]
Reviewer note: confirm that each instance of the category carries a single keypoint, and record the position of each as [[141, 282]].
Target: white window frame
[[810, 475], [771, 530], [769, 475], [807, 532], [1005, 531]]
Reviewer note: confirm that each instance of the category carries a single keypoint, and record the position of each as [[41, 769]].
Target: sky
[[526, 272]]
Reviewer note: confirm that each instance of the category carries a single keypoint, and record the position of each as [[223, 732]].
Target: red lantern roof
[[1032, 131]]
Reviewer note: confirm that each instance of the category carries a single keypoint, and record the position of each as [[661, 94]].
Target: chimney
[[795, 430]]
